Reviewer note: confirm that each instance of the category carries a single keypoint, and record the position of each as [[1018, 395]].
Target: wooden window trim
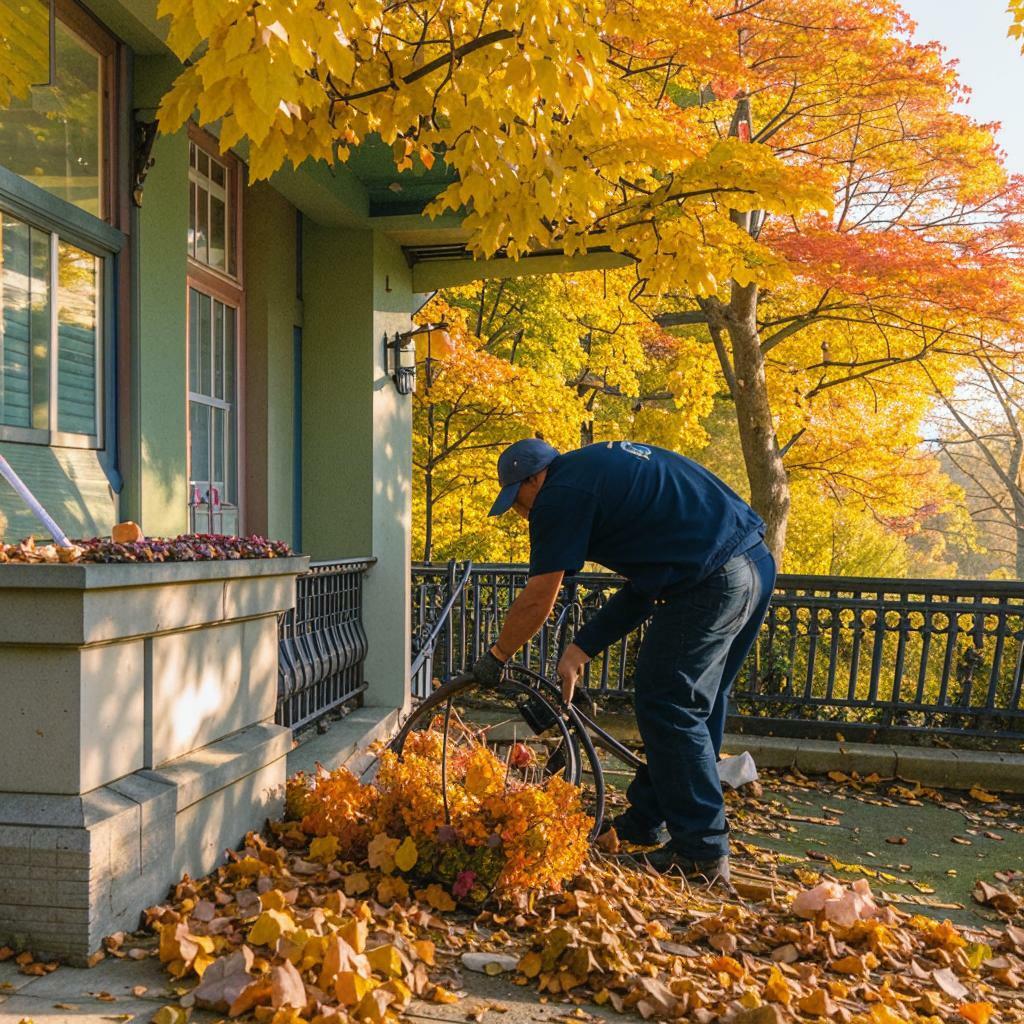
[[236, 184], [231, 291], [96, 35]]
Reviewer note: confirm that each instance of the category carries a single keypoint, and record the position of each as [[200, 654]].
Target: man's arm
[[529, 611], [622, 613], [619, 615]]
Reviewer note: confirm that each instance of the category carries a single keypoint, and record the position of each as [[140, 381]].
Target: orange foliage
[[508, 835]]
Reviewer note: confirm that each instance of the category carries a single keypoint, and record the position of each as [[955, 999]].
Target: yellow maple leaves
[[269, 927], [1016, 29], [406, 855], [555, 140], [184, 951]]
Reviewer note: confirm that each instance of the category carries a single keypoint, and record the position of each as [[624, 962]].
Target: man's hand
[[488, 669], [570, 670]]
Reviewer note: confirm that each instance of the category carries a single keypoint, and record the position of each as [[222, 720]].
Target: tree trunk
[[1018, 534], [1017, 497], [769, 483]]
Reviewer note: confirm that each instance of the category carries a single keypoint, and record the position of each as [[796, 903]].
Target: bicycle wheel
[[586, 753], [494, 716]]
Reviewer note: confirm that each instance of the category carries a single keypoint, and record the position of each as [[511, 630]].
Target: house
[[198, 353]]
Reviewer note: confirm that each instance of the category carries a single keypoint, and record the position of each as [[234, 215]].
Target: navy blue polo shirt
[[651, 515]]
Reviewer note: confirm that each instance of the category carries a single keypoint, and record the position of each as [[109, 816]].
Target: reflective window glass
[[53, 137], [50, 366], [210, 212], [78, 339]]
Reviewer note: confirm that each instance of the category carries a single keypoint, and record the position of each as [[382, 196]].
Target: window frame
[[233, 213], [228, 289], [100, 236], [65, 222], [234, 298], [81, 22]]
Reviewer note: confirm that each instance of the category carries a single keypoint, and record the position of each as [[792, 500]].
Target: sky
[[974, 33]]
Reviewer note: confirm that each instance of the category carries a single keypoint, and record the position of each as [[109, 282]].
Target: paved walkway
[[929, 868], [129, 990], [113, 990]]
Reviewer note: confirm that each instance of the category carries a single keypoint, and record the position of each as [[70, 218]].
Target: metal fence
[[859, 658], [433, 652], [322, 642]]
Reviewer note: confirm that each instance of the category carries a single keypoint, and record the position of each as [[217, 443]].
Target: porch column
[[155, 456], [357, 433]]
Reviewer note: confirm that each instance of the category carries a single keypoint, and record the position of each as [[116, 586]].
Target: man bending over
[[693, 555]]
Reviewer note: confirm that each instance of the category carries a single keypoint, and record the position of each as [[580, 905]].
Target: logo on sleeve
[[641, 451]]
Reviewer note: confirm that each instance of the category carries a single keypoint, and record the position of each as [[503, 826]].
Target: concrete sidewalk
[[107, 993], [78, 995]]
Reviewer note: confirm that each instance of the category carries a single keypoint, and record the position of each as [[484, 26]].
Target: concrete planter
[[137, 737]]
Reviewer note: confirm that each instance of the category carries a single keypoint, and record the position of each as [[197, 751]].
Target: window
[[215, 302], [213, 413], [59, 136], [210, 191], [58, 245], [50, 337]]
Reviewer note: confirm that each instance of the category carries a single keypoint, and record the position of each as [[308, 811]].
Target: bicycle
[[562, 738]]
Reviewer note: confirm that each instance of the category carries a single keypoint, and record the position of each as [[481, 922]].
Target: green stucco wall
[[357, 430], [272, 312], [159, 370], [337, 400], [70, 484]]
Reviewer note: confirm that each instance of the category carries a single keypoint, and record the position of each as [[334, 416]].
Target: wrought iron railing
[[437, 629], [322, 642], [859, 658]]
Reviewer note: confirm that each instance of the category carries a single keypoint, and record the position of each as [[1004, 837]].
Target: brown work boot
[[628, 830], [667, 860]]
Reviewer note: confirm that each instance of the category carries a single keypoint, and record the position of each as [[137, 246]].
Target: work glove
[[488, 670]]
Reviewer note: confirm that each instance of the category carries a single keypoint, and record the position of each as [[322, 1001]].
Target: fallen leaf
[[442, 995], [287, 987], [979, 794], [269, 927], [170, 1015], [406, 855], [949, 983], [224, 979], [976, 1013]]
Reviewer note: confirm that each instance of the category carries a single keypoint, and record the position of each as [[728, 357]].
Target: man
[[696, 566]]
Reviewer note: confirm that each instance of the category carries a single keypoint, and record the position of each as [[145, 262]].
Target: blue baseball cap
[[515, 464]]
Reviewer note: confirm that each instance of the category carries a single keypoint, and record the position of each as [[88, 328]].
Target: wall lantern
[[400, 353]]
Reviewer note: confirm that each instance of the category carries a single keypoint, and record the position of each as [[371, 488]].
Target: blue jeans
[[693, 651]]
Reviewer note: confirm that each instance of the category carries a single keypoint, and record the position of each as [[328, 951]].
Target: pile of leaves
[[28, 552], [274, 933], [467, 822], [366, 898], [188, 547]]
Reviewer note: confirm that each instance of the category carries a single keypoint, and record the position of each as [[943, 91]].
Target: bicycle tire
[[583, 737], [573, 734], [424, 713]]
